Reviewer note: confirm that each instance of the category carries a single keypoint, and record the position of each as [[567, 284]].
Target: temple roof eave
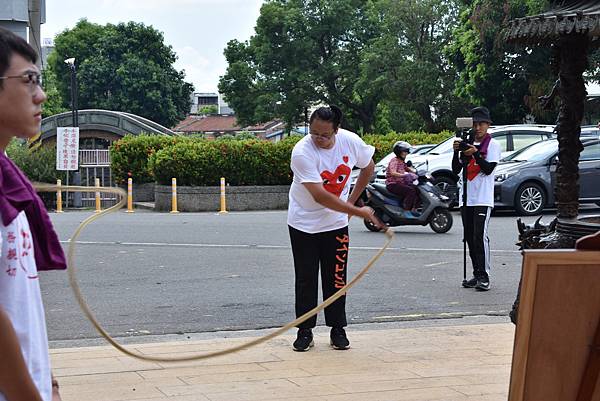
[[576, 17]]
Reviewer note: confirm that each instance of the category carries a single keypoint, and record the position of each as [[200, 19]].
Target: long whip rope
[[72, 273]]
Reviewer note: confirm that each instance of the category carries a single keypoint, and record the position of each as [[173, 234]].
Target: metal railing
[[96, 157]]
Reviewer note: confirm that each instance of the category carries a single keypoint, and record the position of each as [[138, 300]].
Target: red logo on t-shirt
[[336, 181]]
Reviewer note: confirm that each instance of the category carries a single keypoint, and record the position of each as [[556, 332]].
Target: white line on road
[[436, 264], [257, 246]]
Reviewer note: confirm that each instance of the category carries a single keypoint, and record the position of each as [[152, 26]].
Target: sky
[[197, 30]]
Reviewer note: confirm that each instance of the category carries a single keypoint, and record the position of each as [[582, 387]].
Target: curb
[[144, 205]]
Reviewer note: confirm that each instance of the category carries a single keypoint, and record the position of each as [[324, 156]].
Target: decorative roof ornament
[[564, 18]]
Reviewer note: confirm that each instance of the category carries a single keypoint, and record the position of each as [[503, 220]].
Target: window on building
[[94, 143], [204, 101]]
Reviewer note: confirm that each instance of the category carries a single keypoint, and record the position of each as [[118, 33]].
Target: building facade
[[24, 18], [203, 99]]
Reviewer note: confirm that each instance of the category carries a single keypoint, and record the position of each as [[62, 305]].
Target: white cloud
[[203, 73]]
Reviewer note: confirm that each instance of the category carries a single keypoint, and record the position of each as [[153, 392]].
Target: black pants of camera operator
[[475, 222], [329, 250]]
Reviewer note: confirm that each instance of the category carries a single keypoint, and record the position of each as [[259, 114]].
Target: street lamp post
[[75, 115], [75, 123]]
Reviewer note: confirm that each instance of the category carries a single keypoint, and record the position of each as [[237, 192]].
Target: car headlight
[[504, 176]]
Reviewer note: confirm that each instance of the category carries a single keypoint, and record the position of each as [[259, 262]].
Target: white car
[[438, 161]]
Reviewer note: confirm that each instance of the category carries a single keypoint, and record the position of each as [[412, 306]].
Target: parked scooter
[[388, 208]]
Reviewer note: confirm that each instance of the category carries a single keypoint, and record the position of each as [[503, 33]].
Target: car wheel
[[530, 199], [448, 187]]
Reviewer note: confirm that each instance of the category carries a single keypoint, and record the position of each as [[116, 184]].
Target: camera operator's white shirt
[[332, 168], [480, 190]]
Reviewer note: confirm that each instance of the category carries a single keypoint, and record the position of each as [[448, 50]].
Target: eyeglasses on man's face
[[322, 136], [32, 78]]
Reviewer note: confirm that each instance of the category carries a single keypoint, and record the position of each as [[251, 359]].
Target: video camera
[[464, 133]]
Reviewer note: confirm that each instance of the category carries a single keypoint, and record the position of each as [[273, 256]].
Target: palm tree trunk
[[573, 63]]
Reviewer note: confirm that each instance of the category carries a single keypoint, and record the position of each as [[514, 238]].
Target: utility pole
[[35, 22]]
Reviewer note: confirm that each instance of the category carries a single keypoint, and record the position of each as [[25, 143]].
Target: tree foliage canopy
[[304, 52], [389, 64], [506, 79], [124, 67], [381, 61]]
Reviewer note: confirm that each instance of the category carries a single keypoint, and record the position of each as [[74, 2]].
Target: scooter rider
[[400, 177]]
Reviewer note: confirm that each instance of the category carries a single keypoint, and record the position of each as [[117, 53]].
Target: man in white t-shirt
[[319, 207], [480, 160], [28, 242]]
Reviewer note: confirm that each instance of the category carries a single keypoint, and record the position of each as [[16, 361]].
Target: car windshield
[[423, 150], [443, 147], [535, 152]]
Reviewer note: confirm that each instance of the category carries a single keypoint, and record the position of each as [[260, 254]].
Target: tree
[[303, 53], [124, 67], [505, 79], [210, 109], [54, 103], [406, 63]]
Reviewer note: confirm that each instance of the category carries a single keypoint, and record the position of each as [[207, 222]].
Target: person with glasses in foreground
[[28, 243], [319, 208]]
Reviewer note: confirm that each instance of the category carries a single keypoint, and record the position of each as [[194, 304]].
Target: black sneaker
[[472, 283], [483, 285], [304, 340], [338, 339]]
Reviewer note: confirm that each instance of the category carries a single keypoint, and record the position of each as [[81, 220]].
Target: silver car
[[525, 180]]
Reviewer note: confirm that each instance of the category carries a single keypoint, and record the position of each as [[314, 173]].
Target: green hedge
[[38, 165], [129, 156], [200, 162], [203, 163]]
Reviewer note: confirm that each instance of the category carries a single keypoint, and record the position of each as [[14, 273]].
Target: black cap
[[481, 114]]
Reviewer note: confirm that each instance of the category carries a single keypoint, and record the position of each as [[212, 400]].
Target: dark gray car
[[525, 180]]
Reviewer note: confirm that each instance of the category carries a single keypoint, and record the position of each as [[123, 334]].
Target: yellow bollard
[[59, 197], [130, 195], [223, 201], [174, 195], [98, 205]]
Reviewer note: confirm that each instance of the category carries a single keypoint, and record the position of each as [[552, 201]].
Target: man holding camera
[[479, 158]]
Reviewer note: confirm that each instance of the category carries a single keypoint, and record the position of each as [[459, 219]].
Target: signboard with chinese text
[[67, 148]]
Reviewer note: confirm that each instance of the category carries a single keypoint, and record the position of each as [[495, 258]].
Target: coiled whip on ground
[[72, 273]]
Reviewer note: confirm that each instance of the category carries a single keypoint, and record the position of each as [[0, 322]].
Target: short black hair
[[331, 113], [11, 43]]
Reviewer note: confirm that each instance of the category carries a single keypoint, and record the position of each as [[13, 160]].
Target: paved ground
[[156, 273], [180, 281], [443, 361]]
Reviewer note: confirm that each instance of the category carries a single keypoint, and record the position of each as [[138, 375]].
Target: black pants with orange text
[[329, 250]]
